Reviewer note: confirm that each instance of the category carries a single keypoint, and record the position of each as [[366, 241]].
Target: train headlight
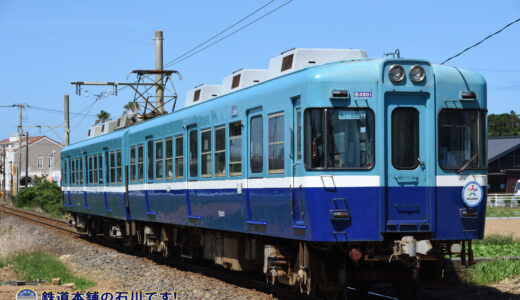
[[417, 73], [396, 73]]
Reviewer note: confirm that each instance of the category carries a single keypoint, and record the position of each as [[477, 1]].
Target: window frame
[[368, 109], [269, 143], [220, 151], [133, 164], [236, 137], [193, 157], [208, 153], [417, 144], [179, 158], [261, 136], [40, 162], [140, 163], [169, 141], [479, 138], [159, 160]]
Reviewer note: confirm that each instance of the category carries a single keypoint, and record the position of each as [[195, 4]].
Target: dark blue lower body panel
[[273, 212]]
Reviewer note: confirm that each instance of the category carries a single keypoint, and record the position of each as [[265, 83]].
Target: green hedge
[[44, 194]]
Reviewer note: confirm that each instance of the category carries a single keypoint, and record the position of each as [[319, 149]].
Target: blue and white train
[[329, 168]]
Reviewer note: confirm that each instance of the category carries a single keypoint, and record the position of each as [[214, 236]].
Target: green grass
[[34, 265], [496, 246], [503, 212], [489, 272]]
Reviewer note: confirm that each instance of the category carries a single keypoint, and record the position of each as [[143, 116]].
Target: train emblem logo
[[26, 294], [472, 194]]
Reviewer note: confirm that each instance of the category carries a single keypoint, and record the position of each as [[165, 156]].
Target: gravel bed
[[130, 273]]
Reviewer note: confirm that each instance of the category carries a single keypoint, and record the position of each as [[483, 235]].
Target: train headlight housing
[[396, 73], [417, 73]]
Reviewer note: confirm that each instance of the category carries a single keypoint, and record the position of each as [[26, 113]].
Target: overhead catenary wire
[[480, 42], [218, 34], [239, 29]]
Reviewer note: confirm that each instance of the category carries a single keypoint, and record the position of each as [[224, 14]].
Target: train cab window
[[132, 164], [119, 166], [194, 164], [205, 153], [100, 167], [462, 139], [257, 144], [235, 149], [405, 138], [140, 158], [339, 138], [159, 160], [179, 157], [168, 161], [220, 151], [149, 159], [276, 143], [112, 167]]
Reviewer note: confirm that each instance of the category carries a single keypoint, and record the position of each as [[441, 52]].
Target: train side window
[[193, 154], [149, 159], [179, 157], [107, 168], [132, 164], [100, 168], [159, 159], [257, 144], [140, 167], [112, 167], [169, 158], [405, 138], [72, 172], [235, 149], [276, 143], [80, 171], [205, 153], [220, 151], [119, 167], [96, 169], [90, 170]]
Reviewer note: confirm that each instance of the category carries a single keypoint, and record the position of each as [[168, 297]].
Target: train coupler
[[411, 247]]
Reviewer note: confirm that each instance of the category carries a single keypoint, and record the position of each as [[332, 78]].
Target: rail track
[[237, 278]]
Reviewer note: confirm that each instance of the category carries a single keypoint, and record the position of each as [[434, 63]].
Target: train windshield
[[339, 138], [462, 139]]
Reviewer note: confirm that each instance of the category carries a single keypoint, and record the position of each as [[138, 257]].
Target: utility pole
[[20, 134], [67, 125], [26, 158], [159, 91]]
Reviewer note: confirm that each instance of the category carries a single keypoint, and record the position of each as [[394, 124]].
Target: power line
[[480, 42], [57, 111], [216, 35]]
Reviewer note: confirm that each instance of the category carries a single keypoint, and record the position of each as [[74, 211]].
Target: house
[[44, 160], [503, 163]]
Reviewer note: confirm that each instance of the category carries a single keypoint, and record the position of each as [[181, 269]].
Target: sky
[[45, 45]]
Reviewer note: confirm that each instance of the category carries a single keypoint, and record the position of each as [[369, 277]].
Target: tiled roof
[[499, 146]]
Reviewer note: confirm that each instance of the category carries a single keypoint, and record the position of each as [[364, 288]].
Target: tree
[[131, 107], [102, 116], [504, 124]]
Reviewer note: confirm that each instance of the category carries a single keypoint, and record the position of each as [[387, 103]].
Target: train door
[[256, 196], [409, 140], [297, 211]]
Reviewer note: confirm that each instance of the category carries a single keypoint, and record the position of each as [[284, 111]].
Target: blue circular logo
[[472, 194], [26, 294]]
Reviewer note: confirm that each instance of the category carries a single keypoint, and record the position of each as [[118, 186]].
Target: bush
[[45, 195]]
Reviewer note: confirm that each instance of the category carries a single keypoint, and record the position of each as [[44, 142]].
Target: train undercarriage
[[320, 268]]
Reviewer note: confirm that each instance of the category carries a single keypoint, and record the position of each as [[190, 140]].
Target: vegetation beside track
[[39, 265], [502, 212], [43, 195], [494, 271]]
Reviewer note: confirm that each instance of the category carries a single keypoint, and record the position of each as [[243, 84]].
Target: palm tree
[[131, 107], [102, 116]]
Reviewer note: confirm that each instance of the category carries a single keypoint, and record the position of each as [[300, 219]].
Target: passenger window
[[405, 138], [205, 155], [235, 149], [100, 168], [80, 171], [276, 143], [220, 151], [112, 167], [257, 136], [149, 159], [95, 168], [119, 167], [107, 168], [169, 158], [90, 170], [179, 157], [140, 158], [193, 154], [132, 164], [159, 160]]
